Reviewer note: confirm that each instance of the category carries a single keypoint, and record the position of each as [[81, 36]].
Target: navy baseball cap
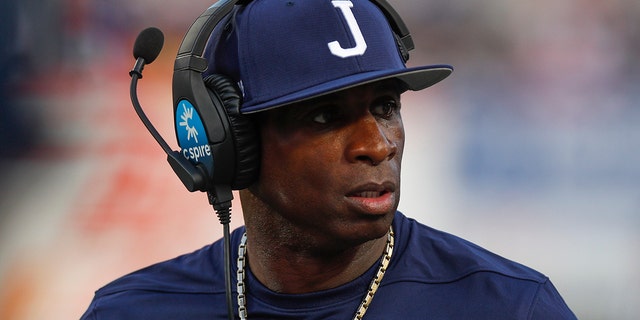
[[286, 51]]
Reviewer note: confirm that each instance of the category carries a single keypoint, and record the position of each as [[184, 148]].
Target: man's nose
[[369, 142]]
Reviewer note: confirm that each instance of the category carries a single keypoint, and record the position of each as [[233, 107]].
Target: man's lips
[[372, 189], [373, 198], [367, 194]]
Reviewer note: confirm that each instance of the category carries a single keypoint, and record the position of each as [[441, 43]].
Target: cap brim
[[416, 78]]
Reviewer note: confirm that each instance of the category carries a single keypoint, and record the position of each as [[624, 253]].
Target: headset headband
[[190, 52]]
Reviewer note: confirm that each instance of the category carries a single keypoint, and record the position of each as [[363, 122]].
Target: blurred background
[[530, 149]]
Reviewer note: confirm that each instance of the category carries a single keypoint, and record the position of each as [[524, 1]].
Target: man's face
[[331, 166]]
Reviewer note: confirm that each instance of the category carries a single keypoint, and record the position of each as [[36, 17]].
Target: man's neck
[[287, 268]]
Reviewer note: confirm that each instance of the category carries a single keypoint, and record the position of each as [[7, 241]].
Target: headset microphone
[[194, 177], [146, 49], [148, 44]]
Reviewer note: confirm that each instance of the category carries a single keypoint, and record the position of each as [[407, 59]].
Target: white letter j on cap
[[361, 45]]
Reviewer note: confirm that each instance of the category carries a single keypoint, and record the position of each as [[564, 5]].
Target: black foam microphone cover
[[148, 44]]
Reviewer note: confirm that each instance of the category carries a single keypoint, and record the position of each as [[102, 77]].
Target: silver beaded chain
[[366, 301]]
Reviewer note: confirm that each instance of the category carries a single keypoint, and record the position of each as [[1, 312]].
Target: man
[[322, 81]]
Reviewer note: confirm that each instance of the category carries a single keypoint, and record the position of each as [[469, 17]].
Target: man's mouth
[[372, 190], [373, 198], [368, 194]]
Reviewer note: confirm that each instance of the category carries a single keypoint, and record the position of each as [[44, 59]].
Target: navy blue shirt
[[432, 275]]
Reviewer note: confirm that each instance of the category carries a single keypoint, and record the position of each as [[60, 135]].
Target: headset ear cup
[[243, 131]]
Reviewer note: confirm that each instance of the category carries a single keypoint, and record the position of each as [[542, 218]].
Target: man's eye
[[385, 109]]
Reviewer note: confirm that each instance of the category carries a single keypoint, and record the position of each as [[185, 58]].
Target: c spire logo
[[192, 137], [187, 114]]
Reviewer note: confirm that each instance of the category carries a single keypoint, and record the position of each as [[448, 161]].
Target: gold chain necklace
[[366, 301]]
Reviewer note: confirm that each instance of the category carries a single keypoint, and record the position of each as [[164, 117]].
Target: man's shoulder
[[444, 257], [187, 272], [464, 280], [190, 278]]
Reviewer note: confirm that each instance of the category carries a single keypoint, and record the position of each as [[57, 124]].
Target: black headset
[[233, 142]]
